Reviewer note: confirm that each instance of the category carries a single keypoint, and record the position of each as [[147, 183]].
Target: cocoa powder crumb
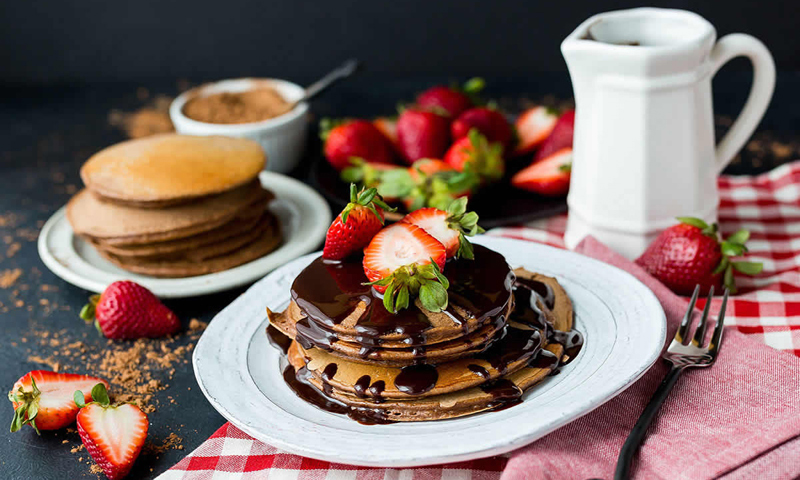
[[9, 277], [96, 469], [197, 325], [76, 449], [149, 120], [172, 442], [13, 249]]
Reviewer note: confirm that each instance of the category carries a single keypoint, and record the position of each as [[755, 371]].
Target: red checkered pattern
[[767, 306]]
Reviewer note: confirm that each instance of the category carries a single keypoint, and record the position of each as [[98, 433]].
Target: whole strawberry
[[422, 134], [490, 123], [353, 229], [451, 100], [127, 310], [475, 154], [354, 139], [691, 253]]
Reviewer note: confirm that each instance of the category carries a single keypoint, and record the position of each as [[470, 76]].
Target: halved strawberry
[[451, 227], [403, 260], [560, 137], [533, 126], [548, 176], [388, 127], [44, 399], [112, 434], [352, 229], [474, 153]]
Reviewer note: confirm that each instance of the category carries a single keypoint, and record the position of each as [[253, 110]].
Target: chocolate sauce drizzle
[[328, 292], [278, 339]]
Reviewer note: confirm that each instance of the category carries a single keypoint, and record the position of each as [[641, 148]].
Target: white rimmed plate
[[304, 217], [622, 321]]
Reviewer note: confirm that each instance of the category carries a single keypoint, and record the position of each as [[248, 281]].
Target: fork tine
[[680, 335], [716, 338], [700, 333]]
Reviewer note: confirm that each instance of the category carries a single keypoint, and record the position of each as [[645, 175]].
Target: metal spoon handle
[[343, 71]]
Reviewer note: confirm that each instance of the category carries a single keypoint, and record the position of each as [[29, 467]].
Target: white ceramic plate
[[304, 217], [622, 321]]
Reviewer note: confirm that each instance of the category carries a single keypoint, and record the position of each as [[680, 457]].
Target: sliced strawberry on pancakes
[[112, 434], [533, 127], [548, 176], [403, 260], [451, 227], [352, 229], [44, 399]]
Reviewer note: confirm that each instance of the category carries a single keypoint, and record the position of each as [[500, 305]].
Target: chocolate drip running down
[[328, 292], [332, 291]]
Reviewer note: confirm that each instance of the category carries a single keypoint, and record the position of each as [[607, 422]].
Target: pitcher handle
[[735, 45]]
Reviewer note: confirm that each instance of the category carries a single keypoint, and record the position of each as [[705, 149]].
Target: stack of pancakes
[[176, 205], [502, 332]]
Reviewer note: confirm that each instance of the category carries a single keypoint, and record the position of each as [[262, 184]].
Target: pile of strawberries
[[404, 260], [113, 434], [447, 144]]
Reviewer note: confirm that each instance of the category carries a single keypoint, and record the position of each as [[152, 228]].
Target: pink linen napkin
[[735, 420]]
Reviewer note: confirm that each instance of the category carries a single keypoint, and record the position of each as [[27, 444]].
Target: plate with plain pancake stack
[[309, 359], [182, 215]]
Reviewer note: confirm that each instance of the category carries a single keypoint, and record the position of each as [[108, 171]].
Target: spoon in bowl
[[341, 72]]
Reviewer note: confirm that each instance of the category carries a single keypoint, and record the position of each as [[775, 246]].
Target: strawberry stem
[[367, 197], [466, 224], [28, 408], [425, 281]]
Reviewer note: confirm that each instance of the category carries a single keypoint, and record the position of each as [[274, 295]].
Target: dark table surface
[[46, 133]]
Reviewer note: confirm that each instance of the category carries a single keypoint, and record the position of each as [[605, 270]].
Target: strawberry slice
[[352, 229], [560, 137], [404, 260], [112, 434], [451, 227], [44, 399], [549, 176], [388, 127], [533, 126], [475, 154]]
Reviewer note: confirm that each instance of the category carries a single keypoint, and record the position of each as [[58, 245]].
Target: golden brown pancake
[[118, 224], [242, 223], [265, 243], [167, 169], [400, 355]]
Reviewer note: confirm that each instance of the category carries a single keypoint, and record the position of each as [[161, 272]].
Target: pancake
[[122, 225], [332, 296], [268, 241], [242, 223], [467, 345], [165, 170], [502, 392], [535, 341], [198, 253]]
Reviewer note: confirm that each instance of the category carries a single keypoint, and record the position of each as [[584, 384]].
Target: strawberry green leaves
[[425, 281], [28, 408], [466, 223], [367, 197], [99, 396], [733, 246]]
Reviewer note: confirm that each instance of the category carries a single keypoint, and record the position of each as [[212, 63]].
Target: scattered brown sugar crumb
[[13, 249], [196, 325], [96, 469], [237, 107], [27, 234], [9, 278], [8, 219], [76, 449], [172, 442], [149, 120]]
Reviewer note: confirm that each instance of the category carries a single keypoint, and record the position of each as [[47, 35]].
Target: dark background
[[65, 65], [144, 40]]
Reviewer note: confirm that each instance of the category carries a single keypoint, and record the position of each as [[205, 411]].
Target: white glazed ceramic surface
[[304, 217], [239, 372], [644, 148], [283, 138]]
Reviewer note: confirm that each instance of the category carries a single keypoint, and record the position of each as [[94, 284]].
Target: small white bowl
[[283, 138]]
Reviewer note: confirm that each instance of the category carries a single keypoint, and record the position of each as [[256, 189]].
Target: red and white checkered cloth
[[767, 306]]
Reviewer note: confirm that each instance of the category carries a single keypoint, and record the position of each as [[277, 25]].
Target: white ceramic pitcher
[[644, 148]]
